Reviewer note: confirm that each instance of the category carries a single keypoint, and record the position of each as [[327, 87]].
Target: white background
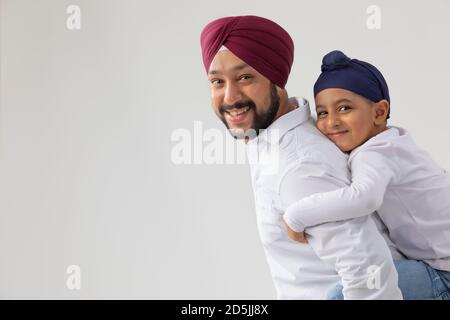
[[86, 118]]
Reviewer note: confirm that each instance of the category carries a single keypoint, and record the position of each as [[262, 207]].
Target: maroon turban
[[260, 42]]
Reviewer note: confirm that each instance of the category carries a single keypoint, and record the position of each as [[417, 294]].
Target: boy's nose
[[232, 94], [333, 121]]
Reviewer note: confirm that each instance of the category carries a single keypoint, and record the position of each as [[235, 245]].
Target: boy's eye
[[343, 108], [321, 114]]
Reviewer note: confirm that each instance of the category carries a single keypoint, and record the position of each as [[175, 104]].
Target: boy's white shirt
[[300, 161], [409, 191]]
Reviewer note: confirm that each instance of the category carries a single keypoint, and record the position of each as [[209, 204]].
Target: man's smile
[[237, 116]]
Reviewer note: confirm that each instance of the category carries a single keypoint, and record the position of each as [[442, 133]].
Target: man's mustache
[[237, 105]]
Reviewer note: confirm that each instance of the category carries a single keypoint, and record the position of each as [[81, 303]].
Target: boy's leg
[[336, 292], [445, 277], [417, 280]]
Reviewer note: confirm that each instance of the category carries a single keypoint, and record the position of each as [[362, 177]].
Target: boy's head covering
[[339, 71], [259, 42]]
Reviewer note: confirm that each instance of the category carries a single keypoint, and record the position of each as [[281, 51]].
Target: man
[[248, 60]]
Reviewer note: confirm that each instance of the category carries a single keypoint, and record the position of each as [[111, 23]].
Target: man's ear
[[280, 92], [380, 109]]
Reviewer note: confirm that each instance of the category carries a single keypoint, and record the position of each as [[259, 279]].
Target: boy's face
[[349, 119]]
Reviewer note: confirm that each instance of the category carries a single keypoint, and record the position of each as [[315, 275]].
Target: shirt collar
[[286, 122]]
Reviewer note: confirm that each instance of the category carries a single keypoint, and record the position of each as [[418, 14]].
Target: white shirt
[[290, 160], [409, 191]]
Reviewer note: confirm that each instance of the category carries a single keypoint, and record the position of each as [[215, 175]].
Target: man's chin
[[242, 132]]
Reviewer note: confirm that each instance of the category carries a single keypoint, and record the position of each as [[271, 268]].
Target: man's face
[[241, 97]]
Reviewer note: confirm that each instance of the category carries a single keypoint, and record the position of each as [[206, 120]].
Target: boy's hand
[[296, 236]]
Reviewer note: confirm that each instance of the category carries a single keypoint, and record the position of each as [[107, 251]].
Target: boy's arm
[[370, 176], [353, 247]]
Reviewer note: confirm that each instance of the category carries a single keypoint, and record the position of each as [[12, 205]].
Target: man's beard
[[260, 120]]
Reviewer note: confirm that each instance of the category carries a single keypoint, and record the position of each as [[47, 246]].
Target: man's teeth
[[235, 113]]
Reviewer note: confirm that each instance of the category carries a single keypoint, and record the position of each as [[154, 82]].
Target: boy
[[390, 175]]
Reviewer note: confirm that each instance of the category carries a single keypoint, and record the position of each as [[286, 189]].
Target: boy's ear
[[381, 109]]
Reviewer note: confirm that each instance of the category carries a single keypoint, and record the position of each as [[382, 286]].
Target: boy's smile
[[337, 134]]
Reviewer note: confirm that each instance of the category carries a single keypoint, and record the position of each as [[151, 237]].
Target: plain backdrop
[[86, 117]]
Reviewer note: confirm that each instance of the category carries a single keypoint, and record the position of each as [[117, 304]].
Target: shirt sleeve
[[371, 174], [352, 247], [309, 176]]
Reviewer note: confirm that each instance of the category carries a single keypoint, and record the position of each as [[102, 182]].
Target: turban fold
[[259, 42], [339, 71]]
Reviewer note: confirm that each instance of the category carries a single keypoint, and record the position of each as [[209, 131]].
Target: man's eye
[[216, 81], [245, 77], [344, 108]]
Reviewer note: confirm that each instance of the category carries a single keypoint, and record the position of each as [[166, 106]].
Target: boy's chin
[[346, 149]]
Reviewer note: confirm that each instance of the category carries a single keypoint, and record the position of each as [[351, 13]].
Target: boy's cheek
[[319, 125]]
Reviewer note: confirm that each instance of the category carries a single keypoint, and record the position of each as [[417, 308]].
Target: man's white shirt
[[290, 160]]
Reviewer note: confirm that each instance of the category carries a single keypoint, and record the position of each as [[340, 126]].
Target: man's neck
[[286, 106]]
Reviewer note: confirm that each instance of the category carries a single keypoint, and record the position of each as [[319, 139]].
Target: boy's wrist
[[296, 226]]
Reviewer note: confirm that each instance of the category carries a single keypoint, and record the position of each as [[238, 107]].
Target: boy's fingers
[[302, 237], [296, 236]]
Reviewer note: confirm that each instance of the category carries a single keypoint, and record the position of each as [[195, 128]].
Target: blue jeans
[[416, 280]]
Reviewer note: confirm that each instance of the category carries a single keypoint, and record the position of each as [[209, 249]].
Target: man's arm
[[370, 177]]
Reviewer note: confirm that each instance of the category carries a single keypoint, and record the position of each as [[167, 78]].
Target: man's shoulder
[[311, 164], [310, 143], [305, 148]]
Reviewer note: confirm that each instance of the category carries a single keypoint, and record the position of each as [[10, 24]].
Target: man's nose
[[232, 94]]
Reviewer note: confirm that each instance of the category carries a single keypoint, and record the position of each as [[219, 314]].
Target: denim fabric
[[416, 280]]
